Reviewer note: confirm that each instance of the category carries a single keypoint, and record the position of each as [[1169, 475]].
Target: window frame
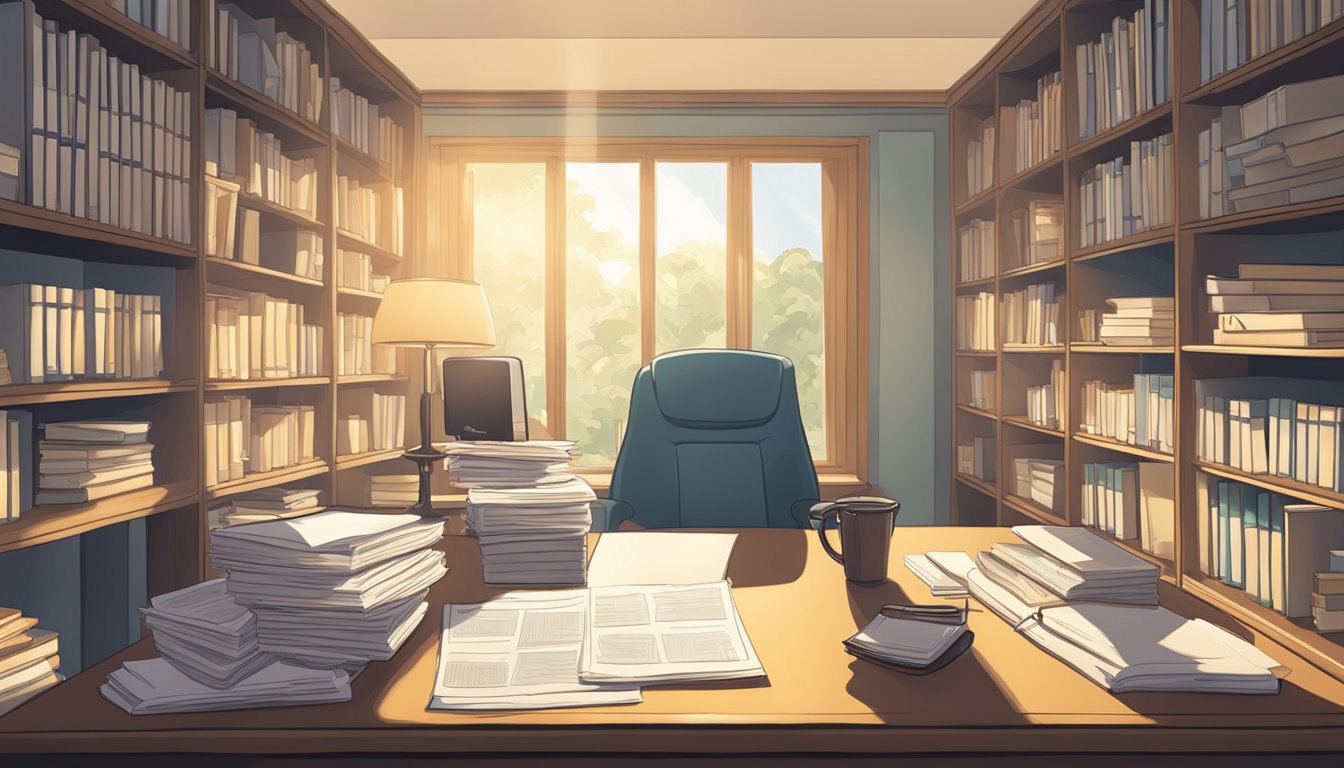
[[845, 255]]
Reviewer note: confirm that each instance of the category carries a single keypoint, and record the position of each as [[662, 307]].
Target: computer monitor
[[483, 398]]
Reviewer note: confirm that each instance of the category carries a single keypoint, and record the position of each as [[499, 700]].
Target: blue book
[[1262, 522]]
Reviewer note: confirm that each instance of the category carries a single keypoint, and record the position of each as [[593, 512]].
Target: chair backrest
[[715, 438]]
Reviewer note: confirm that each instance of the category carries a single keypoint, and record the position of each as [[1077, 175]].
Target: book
[[94, 492], [98, 431]]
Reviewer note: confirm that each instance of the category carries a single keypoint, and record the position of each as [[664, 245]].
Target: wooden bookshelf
[[1172, 258]]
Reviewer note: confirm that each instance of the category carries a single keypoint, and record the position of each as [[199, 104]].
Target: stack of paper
[[28, 659], [1076, 564], [333, 589], [509, 465], [154, 686], [532, 535], [87, 460], [203, 632], [263, 505], [906, 642], [940, 582]]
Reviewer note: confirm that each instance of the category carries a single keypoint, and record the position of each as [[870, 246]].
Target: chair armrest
[[608, 514], [801, 510]]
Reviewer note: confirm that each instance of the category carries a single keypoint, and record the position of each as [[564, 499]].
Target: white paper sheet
[[658, 557]]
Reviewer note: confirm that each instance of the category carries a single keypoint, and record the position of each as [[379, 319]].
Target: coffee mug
[[866, 524]]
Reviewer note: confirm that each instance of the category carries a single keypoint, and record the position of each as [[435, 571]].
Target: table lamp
[[425, 313]]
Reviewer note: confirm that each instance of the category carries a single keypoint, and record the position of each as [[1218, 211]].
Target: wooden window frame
[[844, 246]]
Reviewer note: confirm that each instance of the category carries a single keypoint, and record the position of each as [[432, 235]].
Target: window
[[598, 255]]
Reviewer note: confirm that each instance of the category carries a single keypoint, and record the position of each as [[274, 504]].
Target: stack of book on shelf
[[1127, 196], [88, 460], [211, 660], [357, 121], [256, 336], [335, 589], [264, 504], [389, 422], [98, 140], [1035, 129], [975, 251], [1273, 426], [980, 158], [1092, 605], [1038, 233], [1031, 316], [1231, 32], [373, 213], [976, 458], [1279, 305], [244, 153], [242, 438], [1045, 402], [393, 491], [355, 270], [975, 322], [16, 464], [1039, 480], [1132, 500], [169, 18], [1127, 71], [982, 390], [1133, 321], [1327, 602], [1140, 415], [1282, 148], [1268, 545], [29, 660], [356, 354], [264, 56], [52, 333], [352, 435]]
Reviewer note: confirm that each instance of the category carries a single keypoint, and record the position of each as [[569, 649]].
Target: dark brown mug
[[866, 524]]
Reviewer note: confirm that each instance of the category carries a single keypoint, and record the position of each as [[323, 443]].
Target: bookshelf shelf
[[370, 378], [91, 389], [1119, 447], [43, 524], [267, 208], [1021, 423], [256, 270], [977, 412], [286, 124], [1223, 349], [1031, 269], [1263, 72], [983, 282], [1313, 494], [1033, 175], [104, 22], [260, 480], [372, 166], [1032, 510], [233, 385], [1088, 348], [355, 292], [981, 200], [1158, 236], [27, 227], [350, 461], [1312, 216], [1034, 349], [352, 242], [1135, 127], [976, 483], [971, 353]]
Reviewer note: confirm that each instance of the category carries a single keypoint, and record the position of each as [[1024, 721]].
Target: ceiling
[[683, 45]]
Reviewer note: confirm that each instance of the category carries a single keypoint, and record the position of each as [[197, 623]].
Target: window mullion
[[555, 296]]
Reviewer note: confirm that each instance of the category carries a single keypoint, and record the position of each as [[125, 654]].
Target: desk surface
[[1002, 695]]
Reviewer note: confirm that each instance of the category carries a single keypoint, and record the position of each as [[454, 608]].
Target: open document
[[519, 651], [660, 557], [666, 634]]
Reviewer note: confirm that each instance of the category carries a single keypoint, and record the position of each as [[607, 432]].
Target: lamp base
[[425, 461]]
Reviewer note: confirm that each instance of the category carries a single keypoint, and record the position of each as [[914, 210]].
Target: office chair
[[714, 439]]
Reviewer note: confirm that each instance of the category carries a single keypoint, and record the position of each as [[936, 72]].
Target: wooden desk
[[1003, 695]]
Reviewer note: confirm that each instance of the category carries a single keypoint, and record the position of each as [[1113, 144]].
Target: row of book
[[1038, 233], [265, 56], [88, 134], [1273, 426], [168, 18], [1045, 402], [1279, 305], [1267, 544], [1140, 414], [1132, 500], [30, 659], [385, 431], [374, 213], [1126, 71], [1031, 316], [1232, 32], [1282, 148], [263, 505], [298, 252], [16, 464], [355, 270], [256, 336], [1035, 128], [983, 390], [975, 250], [243, 439], [1127, 196], [53, 333], [356, 354], [82, 461], [1132, 321], [255, 159], [1040, 480], [356, 120], [976, 458], [980, 158], [975, 322]]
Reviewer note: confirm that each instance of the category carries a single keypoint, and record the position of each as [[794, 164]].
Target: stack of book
[[87, 460], [265, 55], [1279, 305], [1138, 321], [16, 464], [393, 491], [1232, 32], [982, 390], [389, 422], [372, 213], [1266, 544], [29, 659], [975, 322], [534, 534], [1327, 602], [509, 465], [1039, 480], [352, 435], [1035, 129], [1140, 415], [1127, 71], [1282, 148], [256, 336], [1038, 234], [205, 634], [1045, 402], [227, 438], [58, 334], [1132, 500], [244, 153], [335, 589], [976, 458], [355, 353], [975, 250], [169, 18], [1127, 196], [1031, 316], [355, 120], [264, 505], [980, 158], [355, 270]]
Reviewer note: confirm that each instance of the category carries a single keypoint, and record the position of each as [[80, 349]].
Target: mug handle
[[822, 513]]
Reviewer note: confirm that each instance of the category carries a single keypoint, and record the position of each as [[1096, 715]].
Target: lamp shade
[[434, 312]]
